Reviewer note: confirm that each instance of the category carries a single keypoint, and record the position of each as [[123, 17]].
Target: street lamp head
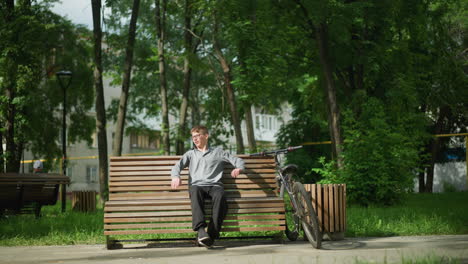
[[64, 73], [62, 76]]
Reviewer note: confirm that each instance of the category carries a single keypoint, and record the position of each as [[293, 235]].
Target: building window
[[91, 174], [267, 122], [145, 140]]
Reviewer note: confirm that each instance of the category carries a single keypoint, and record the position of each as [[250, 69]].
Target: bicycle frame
[[284, 182]]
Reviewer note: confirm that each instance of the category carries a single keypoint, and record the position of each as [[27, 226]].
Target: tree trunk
[[422, 157], [434, 148], [249, 124], [12, 157], [231, 100], [180, 149], [119, 129], [100, 105], [243, 47], [2, 161], [161, 33], [321, 34], [229, 90], [195, 107], [188, 43], [422, 181], [430, 171]]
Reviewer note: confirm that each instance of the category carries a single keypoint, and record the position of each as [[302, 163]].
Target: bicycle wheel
[[308, 216], [291, 219]]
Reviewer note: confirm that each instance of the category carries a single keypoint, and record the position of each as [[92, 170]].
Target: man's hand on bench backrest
[[236, 172], [176, 182]]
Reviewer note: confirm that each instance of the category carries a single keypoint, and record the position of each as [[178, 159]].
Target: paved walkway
[[351, 250]]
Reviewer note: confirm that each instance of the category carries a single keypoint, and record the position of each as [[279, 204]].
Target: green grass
[[53, 228], [420, 214]]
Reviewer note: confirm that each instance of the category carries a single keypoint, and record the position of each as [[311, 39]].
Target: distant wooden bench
[[28, 192], [141, 200]]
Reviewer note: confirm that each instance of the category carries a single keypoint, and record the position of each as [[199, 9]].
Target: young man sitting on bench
[[206, 166]]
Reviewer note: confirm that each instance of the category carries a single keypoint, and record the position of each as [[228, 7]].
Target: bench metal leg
[[279, 238], [37, 210], [112, 244]]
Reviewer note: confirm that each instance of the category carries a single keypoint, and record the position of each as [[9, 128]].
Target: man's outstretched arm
[[175, 172], [237, 162]]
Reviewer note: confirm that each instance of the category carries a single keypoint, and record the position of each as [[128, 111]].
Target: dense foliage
[[388, 66], [395, 72], [35, 44]]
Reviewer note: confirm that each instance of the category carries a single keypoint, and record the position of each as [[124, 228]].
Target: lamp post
[[64, 78]]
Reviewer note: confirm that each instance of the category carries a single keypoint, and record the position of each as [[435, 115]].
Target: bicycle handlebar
[[275, 152]]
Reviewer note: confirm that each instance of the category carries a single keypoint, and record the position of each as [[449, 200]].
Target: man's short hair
[[199, 129]]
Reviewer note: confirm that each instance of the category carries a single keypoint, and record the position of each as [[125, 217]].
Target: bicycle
[[299, 210]]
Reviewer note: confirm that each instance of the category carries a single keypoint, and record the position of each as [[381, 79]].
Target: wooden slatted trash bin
[[329, 202], [84, 201]]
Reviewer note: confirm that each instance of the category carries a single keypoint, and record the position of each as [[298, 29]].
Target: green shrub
[[448, 187], [379, 155]]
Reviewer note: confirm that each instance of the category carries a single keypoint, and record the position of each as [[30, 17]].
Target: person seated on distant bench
[[206, 167], [38, 166]]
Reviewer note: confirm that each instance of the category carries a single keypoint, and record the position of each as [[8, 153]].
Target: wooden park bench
[[28, 192], [141, 200]]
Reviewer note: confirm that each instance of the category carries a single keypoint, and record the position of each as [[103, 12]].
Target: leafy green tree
[[35, 44]]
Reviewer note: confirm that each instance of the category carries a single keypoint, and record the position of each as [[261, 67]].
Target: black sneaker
[[204, 239]]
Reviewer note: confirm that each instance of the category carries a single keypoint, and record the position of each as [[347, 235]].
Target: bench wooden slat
[[149, 231], [187, 201], [189, 224], [168, 164], [185, 195], [33, 182], [186, 207], [140, 226], [184, 172], [118, 178], [167, 182], [250, 229], [189, 218], [172, 160], [145, 173], [168, 167], [185, 187], [189, 212], [173, 231]]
